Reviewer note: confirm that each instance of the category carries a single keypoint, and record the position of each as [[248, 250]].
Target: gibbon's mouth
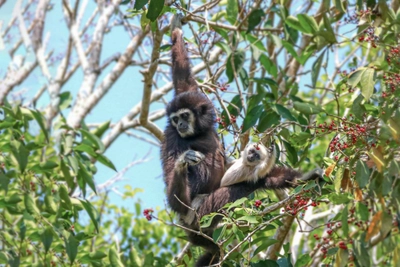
[[252, 158]]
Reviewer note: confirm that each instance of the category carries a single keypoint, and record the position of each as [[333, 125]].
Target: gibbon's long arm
[[277, 178], [178, 190], [181, 72]]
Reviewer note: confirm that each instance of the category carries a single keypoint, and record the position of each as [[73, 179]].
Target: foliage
[[45, 223]]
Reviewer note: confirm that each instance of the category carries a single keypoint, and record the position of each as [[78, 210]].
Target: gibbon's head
[[254, 153], [191, 114]]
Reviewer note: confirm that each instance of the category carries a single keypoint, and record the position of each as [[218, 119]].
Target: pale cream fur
[[243, 170]]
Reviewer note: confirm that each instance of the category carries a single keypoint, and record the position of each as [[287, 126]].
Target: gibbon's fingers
[[313, 174], [192, 157]]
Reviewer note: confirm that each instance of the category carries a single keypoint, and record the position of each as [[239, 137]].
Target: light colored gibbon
[[256, 162]]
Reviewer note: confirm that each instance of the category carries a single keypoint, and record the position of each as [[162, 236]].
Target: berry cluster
[[392, 82], [300, 203], [352, 133], [33, 186], [369, 36], [355, 18], [148, 214], [220, 121], [393, 53], [223, 86], [257, 203]]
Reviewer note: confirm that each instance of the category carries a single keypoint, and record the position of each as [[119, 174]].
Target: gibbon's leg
[[178, 190], [211, 256], [181, 72]]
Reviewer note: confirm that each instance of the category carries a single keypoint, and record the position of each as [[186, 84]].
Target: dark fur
[[204, 178]]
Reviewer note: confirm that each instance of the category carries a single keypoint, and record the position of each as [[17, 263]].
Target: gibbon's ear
[[204, 108]]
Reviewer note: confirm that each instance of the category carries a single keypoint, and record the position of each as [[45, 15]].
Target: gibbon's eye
[[185, 116], [175, 119]]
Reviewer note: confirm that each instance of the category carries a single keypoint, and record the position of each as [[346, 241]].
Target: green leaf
[[337, 199], [232, 11], [4, 258], [251, 117], [345, 225], [303, 260], [248, 218], [235, 204], [289, 47], [254, 19], [264, 245], [284, 112], [6, 124], [362, 173], [254, 41], [139, 4], [244, 78], [47, 239], [115, 260], [238, 61], [316, 67], [294, 23], [30, 205], [155, 8], [84, 174], [218, 233], [308, 23], [20, 154], [65, 100], [265, 263], [355, 77], [99, 131], [41, 121], [367, 83], [92, 212], [361, 253], [307, 108], [362, 211], [66, 174], [329, 34], [105, 161], [342, 257], [48, 165], [51, 206], [268, 65], [92, 139], [358, 108], [291, 153], [268, 120], [71, 246], [63, 192]]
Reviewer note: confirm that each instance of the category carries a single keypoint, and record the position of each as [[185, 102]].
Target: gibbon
[[256, 162], [193, 159]]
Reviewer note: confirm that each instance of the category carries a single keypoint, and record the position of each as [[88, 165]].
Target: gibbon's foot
[[191, 157], [176, 22]]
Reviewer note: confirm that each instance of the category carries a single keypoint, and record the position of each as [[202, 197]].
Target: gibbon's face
[[184, 122], [255, 153]]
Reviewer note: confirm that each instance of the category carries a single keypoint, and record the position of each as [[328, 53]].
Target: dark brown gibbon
[[193, 159]]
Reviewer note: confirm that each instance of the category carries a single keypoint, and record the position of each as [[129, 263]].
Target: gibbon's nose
[[183, 127]]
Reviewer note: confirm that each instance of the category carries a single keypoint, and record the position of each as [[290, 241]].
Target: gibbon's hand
[[191, 158], [313, 174], [176, 22]]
